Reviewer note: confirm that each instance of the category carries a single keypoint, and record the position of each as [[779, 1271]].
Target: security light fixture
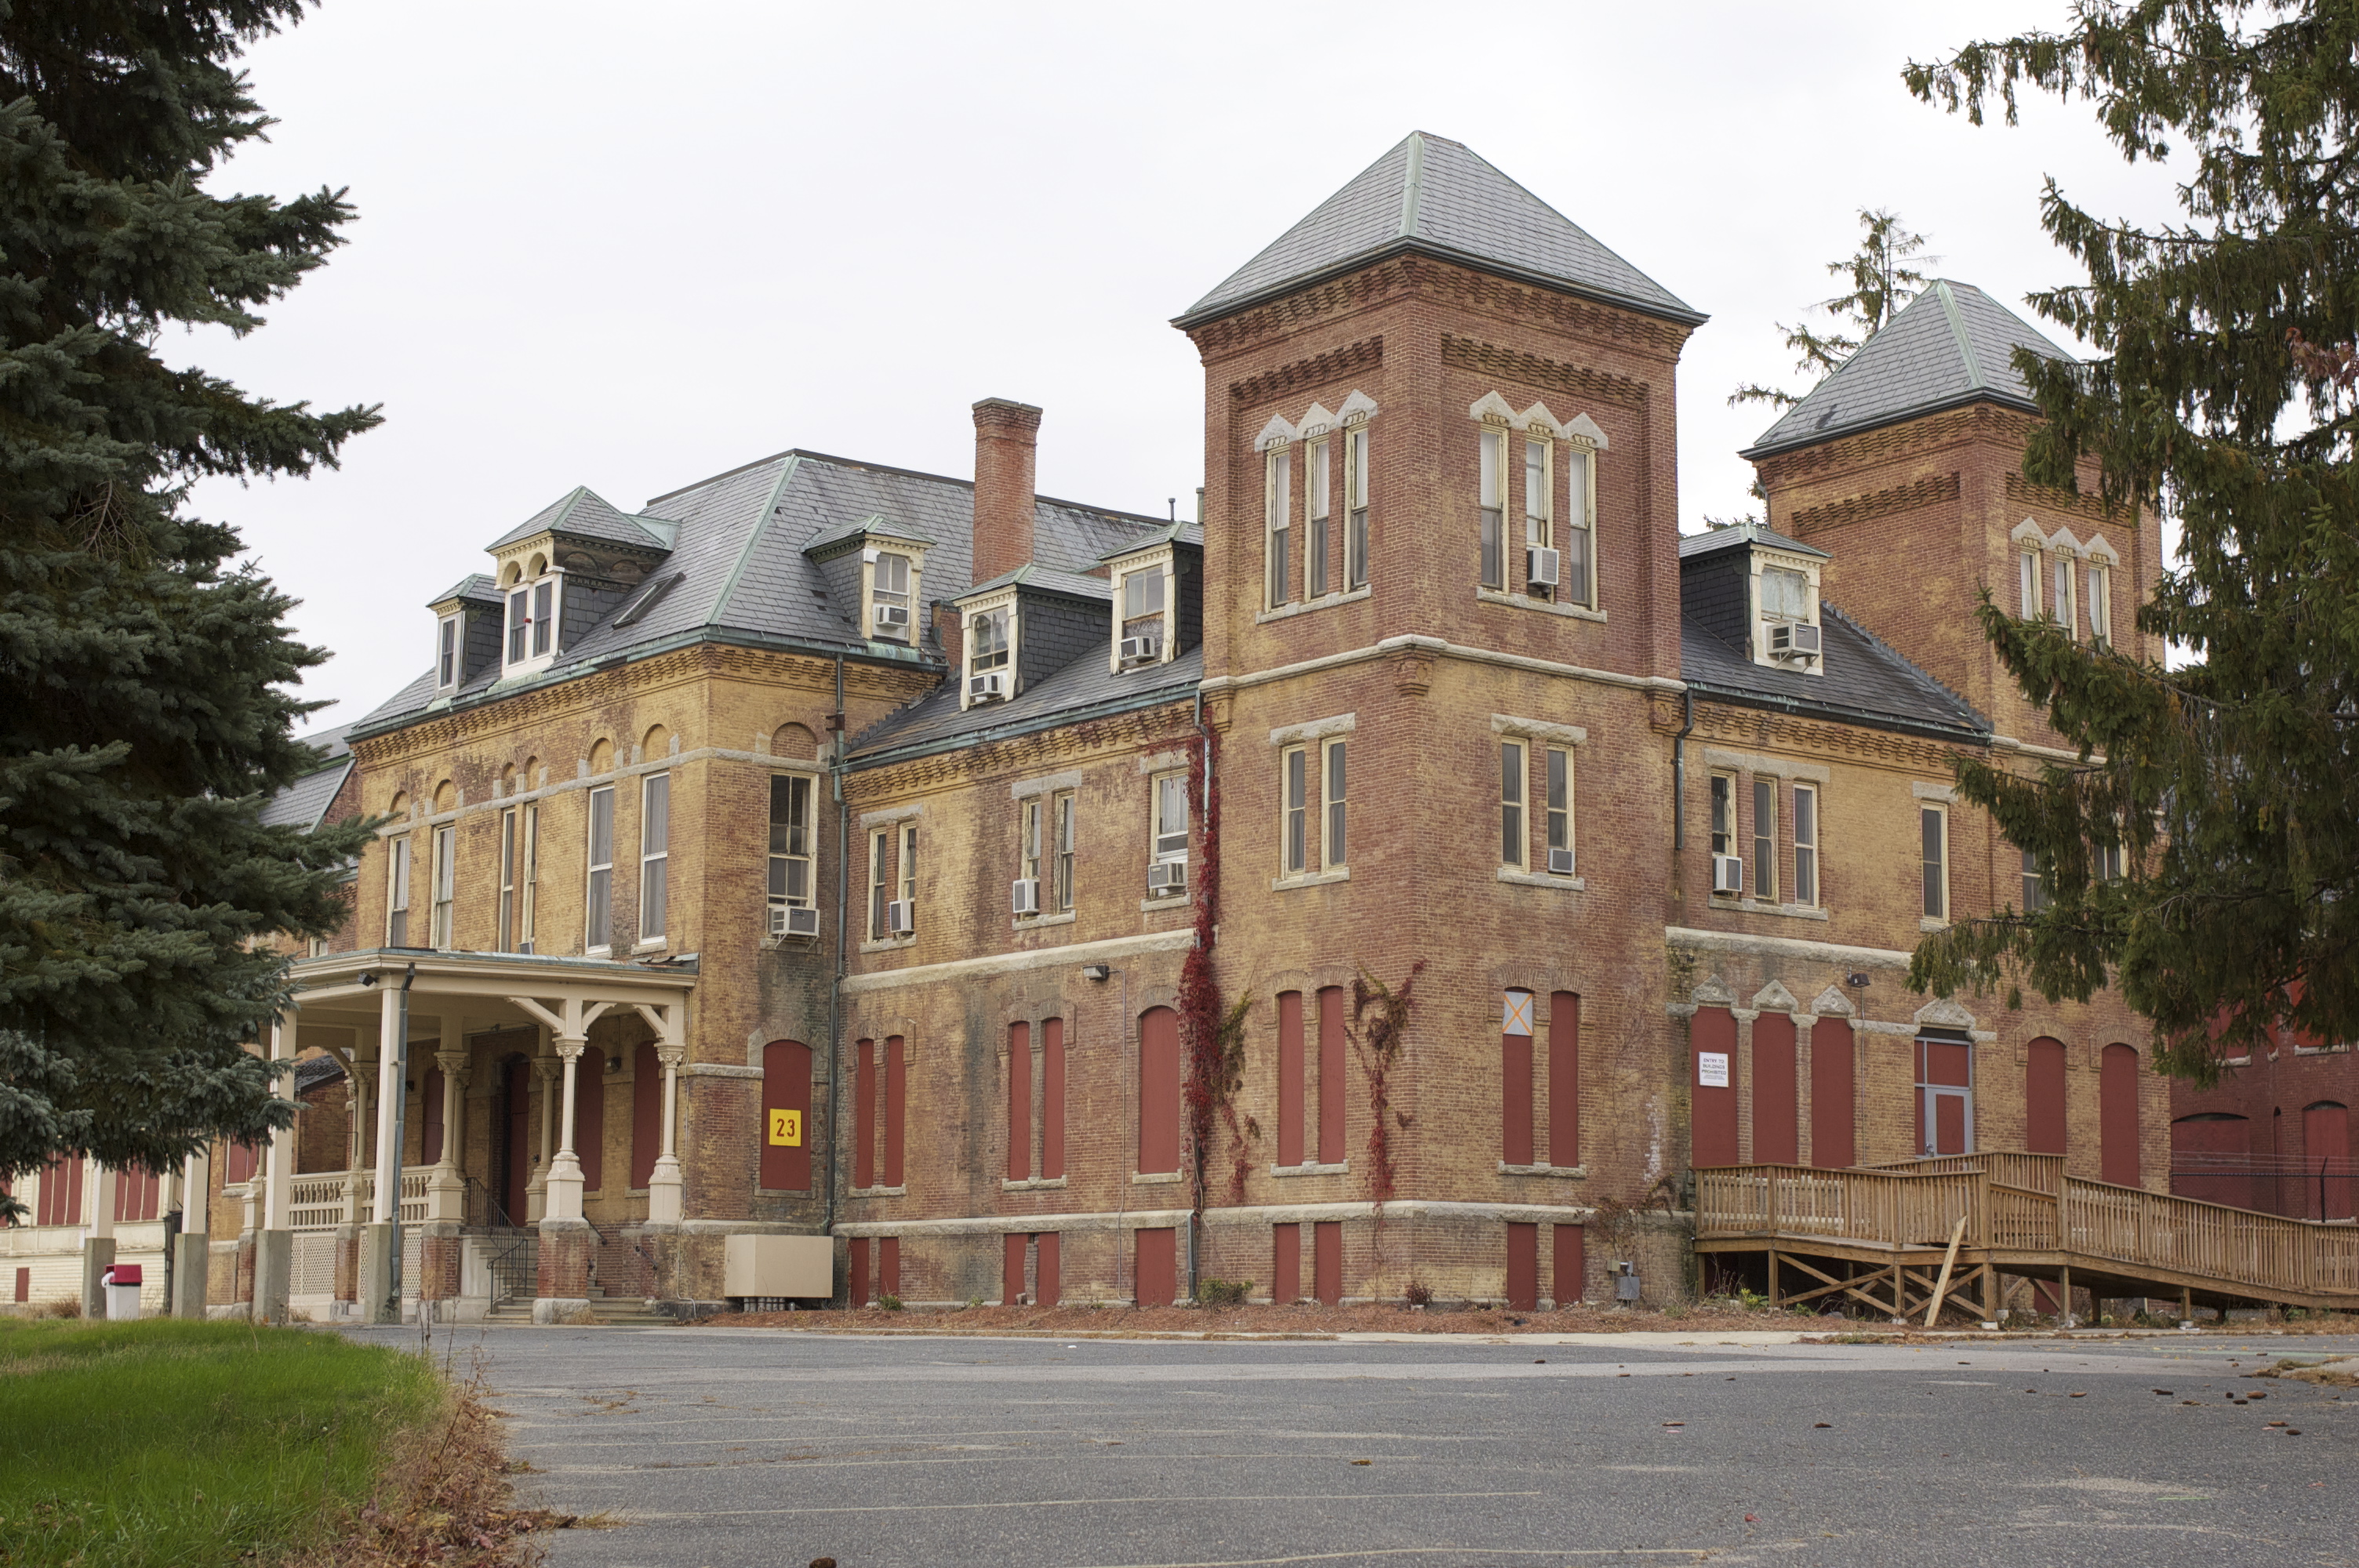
[[1095, 971]]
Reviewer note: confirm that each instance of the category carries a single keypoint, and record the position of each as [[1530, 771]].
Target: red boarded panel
[[1327, 1260], [1047, 1287], [1330, 1075], [1523, 1267], [897, 1102], [23, 1284], [1158, 1092], [1286, 1264], [1515, 1099], [1949, 1124], [1011, 1269], [1157, 1267], [1571, 1281], [2207, 1153], [646, 1110], [1020, 1102], [1713, 1033], [1052, 1098], [1289, 1078], [2326, 1160], [1834, 1138], [2118, 1115], [863, 1115], [889, 1265], [1776, 1117], [590, 1118], [2043, 1096], [1564, 1079], [60, 1200], [785, 1116], [432, 1154], [138, 1195], [858, 1289]]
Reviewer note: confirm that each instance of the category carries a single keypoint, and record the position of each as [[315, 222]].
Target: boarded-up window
[[1713, 1080], [2118, 1115], [1572, 1282], [785, 1116], [2043, 1096], [1776, 1132], [1289, 1078], [1047, 1286], [1158, 1092], [430, 1151], [1564, 1079], [646, 1113], [863, 1115], [1156, 1266], [23, 1284], [240, 1161], [896, 1104], [590, 1118], [1523, 1267], [1052, 1098], [889, 1265], [61, 1199], [1014, 1249], [138, 1195], [1330, 1075], [1515, 1080], [2326, 1160], [2211, 1159], [1020, 1102], [1327, 1261], [1834, 1144], [1945, 1093], [857, 1286], [1286, 1264]]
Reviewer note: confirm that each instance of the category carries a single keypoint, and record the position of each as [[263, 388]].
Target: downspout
[[836, 986], [1196, 1217], [1679, 774]]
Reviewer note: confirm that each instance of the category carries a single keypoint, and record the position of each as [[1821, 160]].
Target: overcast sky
[[628, 246]]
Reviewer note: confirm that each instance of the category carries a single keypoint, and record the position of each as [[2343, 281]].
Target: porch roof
[[348, 988]]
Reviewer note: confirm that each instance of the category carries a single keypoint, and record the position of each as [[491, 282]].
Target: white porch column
[[100, 1187], [536, 1191], [278, 1173], [446, 1189], [98, 1237], [565, 1167], [664, 1184], [391, 1050]]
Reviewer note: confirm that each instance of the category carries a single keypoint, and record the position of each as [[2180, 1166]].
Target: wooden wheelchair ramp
[[1892, 1238]]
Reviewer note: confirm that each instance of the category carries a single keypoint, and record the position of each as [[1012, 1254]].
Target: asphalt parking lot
[[712, 1448]]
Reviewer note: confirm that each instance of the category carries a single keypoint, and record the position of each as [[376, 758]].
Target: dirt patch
[[2341, 1374], [1306, 1319]]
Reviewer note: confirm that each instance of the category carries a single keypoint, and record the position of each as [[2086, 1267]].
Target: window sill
[[1539, 879], [1927, 923], [1313, 1168], [1033, 1184], [1311, 879], [1036, 922], [1785, 911], [652, 944], [900, 1192], [600, 951], [888, 943], [1304, 606], [783, 1191], [1569, 1172], [1545, 606], [1155, 1179], [1159, 905]]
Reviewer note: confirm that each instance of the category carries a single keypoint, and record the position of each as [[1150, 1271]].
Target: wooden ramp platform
[[1893, 1238]]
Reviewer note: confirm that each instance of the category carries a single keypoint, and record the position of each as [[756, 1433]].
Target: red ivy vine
[[1213, 1037], [1379, 1028]]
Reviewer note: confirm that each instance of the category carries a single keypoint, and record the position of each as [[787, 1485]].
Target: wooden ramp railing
[[2022, 1213]]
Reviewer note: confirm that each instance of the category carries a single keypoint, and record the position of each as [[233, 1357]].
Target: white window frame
[[1933, 821], [519, 868], [1577, 581], [655, 858], [2065, 598], [1000, 613], [2101, 602], [1805, 809], [2035, 886], [1720, 795], [598, 880], [880, 882], [1167, 822], [1335, 803], [396, 891], [1557, 787], [1491, 508], [875, 568], [1356, 488], [1031, 827], [1539, 526], [444, 886], [1062, 830], [1317, 521], [2026, 584], [909, 871], [1763, 885], [790, 859], [540, 598], [1278, 526], [1515, 805], [450, 652]]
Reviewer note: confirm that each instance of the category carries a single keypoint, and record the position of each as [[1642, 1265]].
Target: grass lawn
[[143, 1444]]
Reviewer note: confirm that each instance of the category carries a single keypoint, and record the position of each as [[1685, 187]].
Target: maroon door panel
[[1286, 1263], [1515, 1099], [1011, 1288], [1332, 1076], [1020, 1102], [1571, 1281], [1833, 1136], [1052, 1098], [646, 1111], [1158, 1091], [1523, 1267], [1777, 1118], [857, 1289], [889, 1265], [2044, 1118], [1564, 1079], [2118, 1115], [1157, 1267], [1327, 1260], [1045, 1285], [1712, 1077], [2326, 1160], [1289, 1079], [785, 1116]]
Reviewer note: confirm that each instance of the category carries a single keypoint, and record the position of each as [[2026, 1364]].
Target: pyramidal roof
[[584, 514], [1952, 344], [1437, 197]]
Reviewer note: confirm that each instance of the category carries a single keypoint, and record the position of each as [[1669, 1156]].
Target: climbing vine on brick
[[1211, 1036], [1379, 1028]]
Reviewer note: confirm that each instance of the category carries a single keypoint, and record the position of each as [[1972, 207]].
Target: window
[[1806, 844], [986, 644], [446, 652], [1559, 811], [1536, 496], [2063, 603], [1724, 813], [1171, 817], [1516, 1078], [397, 893], [2026, 585], [1060, 864], [1495, 561], [544, 617], [1278, 500], [598, 927], [1765, 838], [2035, 887], [889, 618], [1337, 802], [519, 855], [1294, 763], [1580, 575], [519, 625], [880, 884], [2100, 603], [1785, 595], [1934, 829], [1511, 805], [1314, 479], [1355, 501], [2109, 859], [1028, 850], [1142, 604], [655, 853], [444, 889], [790, 843], [909, 870]]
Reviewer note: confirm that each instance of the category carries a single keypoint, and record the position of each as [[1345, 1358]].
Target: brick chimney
[[1005, 435]]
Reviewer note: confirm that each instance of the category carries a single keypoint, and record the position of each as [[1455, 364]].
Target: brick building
[[821, 848]]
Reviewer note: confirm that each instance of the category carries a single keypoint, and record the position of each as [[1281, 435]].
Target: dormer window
[[1785, 595], [890, 609], [1142, 635], [532, 608], [990, 664], [1785, 587], [446, 652]]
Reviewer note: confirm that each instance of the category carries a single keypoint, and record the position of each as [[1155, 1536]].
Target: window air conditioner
[[1793, 640], [789, 920], [1542, 566], [1559, 862], [1165, 878], [900, 917], [991, 687], [1727, 875], [892, 615], [1028, 895], [1140, 650]]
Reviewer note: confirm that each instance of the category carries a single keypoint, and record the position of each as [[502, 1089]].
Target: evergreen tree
[[1884, 277], [2228, 788], [146, 709]]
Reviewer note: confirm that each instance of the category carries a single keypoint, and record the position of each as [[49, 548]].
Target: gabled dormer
[[1020, 627], [566, 569], [1759, 590], [876, 569], [466, 631], [1157, 587]]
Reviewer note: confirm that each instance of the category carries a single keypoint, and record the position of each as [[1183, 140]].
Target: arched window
[[1158, 1091], [2044, 1096]]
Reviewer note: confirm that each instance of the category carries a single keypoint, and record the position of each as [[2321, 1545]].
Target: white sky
[[629, 246]]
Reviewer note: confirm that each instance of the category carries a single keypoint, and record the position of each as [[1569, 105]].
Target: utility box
[[779, 1266], [122, 1283]]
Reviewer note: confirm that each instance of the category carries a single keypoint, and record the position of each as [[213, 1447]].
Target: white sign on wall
[[1711, 1069]]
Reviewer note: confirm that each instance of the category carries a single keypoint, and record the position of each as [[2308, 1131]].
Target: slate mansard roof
[[304, 804], [1951, 345], [739, 552], [1866, 681], [1437, 197]]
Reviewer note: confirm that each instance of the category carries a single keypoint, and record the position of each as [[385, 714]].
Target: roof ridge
[[1958, 331], [1412, 185], [753, 538]]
